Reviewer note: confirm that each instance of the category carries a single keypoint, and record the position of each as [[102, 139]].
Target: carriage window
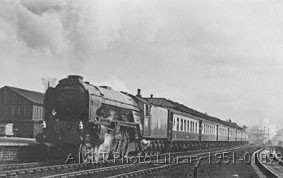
[[196, 127], [174, 123], [177, 123], [206, 129]]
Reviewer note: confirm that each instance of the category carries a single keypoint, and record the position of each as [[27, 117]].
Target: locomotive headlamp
[[81, 126], [53, 112], [43, 124]]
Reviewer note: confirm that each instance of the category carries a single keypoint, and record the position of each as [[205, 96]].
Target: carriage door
[[147, 121]]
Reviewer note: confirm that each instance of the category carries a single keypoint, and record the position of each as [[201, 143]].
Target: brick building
[[23, 109]]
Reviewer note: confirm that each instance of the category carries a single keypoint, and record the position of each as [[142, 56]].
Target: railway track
[[12, 166], [109, 168], [17, 166], [269, 163]]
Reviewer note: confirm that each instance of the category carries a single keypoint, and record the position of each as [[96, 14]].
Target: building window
[[181, 125], [13, 111], [14, 99], [38, 113], [34, 113], [20, 111], [2, 111], [25, 112]]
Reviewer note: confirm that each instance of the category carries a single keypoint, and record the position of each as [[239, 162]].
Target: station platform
[[16, 149], [17, 141]]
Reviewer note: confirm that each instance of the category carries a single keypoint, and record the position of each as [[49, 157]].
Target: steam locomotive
[[90, 122]]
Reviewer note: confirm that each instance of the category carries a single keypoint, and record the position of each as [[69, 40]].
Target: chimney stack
[[139, 93]]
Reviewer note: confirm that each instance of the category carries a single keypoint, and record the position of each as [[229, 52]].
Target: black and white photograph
[[141, 88]]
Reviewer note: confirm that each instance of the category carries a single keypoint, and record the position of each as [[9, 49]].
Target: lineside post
[[196, 167]]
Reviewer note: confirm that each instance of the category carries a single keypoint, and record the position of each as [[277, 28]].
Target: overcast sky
[[223, 57]]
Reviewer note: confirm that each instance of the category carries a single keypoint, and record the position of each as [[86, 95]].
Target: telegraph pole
[[48, 82]]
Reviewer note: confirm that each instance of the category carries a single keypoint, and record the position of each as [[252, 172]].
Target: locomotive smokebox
[[139, 92]]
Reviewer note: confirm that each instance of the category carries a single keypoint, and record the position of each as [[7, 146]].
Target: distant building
[[278, 138], [258, 135], [23, 109]]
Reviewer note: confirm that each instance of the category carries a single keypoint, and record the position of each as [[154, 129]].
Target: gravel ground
[[213, 170]]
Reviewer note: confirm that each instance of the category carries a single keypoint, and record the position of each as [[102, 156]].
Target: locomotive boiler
[[87, 120]]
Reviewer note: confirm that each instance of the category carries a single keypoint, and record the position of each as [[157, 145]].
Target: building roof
[[163, 102], [33, 96]]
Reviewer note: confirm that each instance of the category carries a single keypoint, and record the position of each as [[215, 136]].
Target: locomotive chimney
[[76, 77], [139, 92], [151, 96]]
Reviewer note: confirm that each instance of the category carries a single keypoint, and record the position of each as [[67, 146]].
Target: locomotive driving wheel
[[86, 153], [123, 147], [96, 153]]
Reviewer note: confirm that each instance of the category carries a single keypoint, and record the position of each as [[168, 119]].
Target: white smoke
[[269, 127], [115, 83], [75, 31]]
